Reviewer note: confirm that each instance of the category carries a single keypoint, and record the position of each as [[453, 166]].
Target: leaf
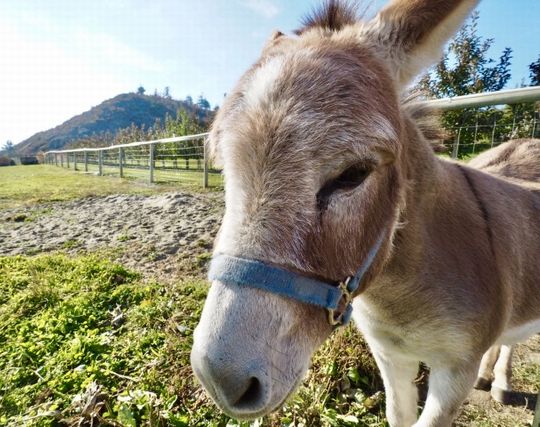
[[178, 420], [170, 402], [354, 375], [349, 419], [126, 417]]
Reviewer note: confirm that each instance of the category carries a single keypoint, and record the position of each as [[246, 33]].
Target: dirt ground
[[167, 236], [481, 410], [155, 235]]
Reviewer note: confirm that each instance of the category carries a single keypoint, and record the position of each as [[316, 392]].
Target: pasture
[[34, 184], [90, 336]]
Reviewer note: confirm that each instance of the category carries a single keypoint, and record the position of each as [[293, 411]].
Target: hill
[[109, 116]]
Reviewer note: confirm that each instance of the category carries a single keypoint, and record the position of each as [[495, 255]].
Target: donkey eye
[[348, 180]]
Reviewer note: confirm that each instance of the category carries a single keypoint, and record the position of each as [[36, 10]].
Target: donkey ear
[[411, 34], [274, 39]]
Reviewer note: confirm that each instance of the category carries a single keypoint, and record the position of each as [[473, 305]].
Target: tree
[[9, 148], [141, 90], [534, 74], [189, 100], [464, 69], [167, 92], [203, 103]]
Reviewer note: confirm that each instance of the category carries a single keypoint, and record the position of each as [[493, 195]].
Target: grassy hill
[[109, 116]]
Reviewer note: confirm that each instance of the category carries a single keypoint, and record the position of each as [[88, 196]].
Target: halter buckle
[[337, 319]]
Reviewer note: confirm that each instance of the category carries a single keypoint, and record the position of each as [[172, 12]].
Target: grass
[[28, 185], [163, 173], [85, 340]]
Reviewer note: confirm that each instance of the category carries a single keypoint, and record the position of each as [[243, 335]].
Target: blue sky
[[59, 58]]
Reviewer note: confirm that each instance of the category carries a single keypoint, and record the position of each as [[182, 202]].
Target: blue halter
[[277, 280]]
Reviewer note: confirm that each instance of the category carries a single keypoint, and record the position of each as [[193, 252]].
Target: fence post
[[56, 159], [121, 161], [205, 172], [100, 162], [493, 131], [455, 148], [75, 161], [67, 160], [86, 161], [151, 162], [62, 160], [475, 134], [536, 421]]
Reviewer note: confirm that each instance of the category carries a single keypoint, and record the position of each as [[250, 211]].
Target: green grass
[[84, 338], [189, 178], [27, 185]]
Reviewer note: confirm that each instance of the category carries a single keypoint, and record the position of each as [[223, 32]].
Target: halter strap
[[277, 280]]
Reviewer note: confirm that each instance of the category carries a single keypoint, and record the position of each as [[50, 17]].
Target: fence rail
[[508, 97], [477, 127], [182, 158], [185, 158]]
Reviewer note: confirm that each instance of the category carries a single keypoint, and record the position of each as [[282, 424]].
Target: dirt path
[[170, 235], [158, 235]]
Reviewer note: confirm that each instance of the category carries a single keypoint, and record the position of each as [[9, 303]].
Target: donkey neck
[[442, 247], [442, 199]]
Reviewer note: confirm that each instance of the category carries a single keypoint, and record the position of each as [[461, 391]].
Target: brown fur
[[513, 159], [458, 268], [332, 16]]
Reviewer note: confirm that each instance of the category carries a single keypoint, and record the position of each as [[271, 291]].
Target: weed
[[123, 237], [85, 340], [203, 259], [71, 243]]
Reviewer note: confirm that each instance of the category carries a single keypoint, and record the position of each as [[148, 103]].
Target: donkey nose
[[240, 389]]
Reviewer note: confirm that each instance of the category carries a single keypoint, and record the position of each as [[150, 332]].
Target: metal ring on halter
[[346, 298]]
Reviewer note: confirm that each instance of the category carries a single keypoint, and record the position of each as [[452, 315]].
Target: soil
[[169, 236], [162, 236]]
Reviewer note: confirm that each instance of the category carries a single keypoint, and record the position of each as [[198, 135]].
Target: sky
[[58, 58]]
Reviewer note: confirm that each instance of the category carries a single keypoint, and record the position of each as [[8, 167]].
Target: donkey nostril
[[252, 395]]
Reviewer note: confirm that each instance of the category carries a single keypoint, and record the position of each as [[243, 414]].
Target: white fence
[[184, 159], [476, 128]]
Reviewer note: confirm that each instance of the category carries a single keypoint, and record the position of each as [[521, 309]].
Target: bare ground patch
[[162, 236]]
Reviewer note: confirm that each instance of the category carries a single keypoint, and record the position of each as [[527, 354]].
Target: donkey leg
[[485, 374], [448, 388], [398, 375], [503, 375]]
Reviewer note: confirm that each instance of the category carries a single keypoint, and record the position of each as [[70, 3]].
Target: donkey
[[519, 159], [335, 200]]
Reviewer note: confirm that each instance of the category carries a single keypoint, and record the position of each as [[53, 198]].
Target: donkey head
[[311, 141]]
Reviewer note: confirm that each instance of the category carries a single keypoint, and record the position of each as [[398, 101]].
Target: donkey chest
[[414, 336], [382, 332]]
